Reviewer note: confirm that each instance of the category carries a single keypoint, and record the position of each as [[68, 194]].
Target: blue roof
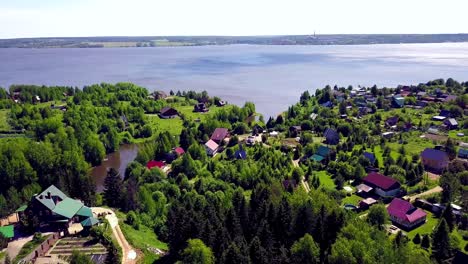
[[434, 154], [317, 158], [463, 153], [327, 104], [370, 157], [323, 151], [241, 154], [445, 113]]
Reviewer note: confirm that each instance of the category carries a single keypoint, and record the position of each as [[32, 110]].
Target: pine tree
[[417, 239], [305, 250], [113, 188], [426, 241], [449, 217], [441, 248]]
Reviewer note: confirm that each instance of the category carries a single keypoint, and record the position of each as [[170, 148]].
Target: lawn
[[325, 179], [431, 222], [3, 120], [2, 255], [173, 125], [143, 239], [353, 199]]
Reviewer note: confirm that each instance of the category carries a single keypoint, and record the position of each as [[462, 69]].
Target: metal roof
[[50, 196], [68, 207], [7, 231]]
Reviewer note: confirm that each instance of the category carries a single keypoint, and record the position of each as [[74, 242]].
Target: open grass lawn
[[28, 248], [143, 239], [173, 125], [2, 255], [325, 180], [426, 228], [453, 134], [3, 120], [353, 199]]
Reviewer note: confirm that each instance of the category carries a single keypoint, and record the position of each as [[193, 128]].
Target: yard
[[325, 180], [172, 125], [431, 222], [353, 199], [143, 239]]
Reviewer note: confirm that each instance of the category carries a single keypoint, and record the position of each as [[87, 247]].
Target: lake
[[273, 77]]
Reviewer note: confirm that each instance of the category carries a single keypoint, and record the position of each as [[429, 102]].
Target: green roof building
[[54, 208], [7, 231]]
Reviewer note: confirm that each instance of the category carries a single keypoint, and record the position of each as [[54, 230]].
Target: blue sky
[[62, 18]]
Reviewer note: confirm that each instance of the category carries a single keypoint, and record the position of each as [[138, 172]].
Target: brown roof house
[[200, 108], [435, 160], [382, 185], [168, 112], [219, 135]]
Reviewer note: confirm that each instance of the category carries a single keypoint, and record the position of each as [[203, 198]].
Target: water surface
[[272, 77]]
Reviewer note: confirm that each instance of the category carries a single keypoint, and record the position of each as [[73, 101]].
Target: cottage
[[366, 203], [8, 231], [200, 108], [155, 163], [328, 104], [388, 134], [421, 94], [405, 214], [157, 95], [179, 151], [392, 121], [220, 103], [383, 186], [445, 113], [56, 210], [451, 124], [295, 130], [219, 135], [439, 118], [211, 148], [398, 101], [370, 156], [331, 136], [168, 112], [463, 153], [240, 154], [435, 160], [321, 153]]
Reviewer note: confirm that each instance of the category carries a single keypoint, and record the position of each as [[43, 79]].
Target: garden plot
[[87, 245]]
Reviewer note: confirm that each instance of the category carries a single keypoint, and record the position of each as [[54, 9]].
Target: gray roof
[[452, 122], [49, 197]]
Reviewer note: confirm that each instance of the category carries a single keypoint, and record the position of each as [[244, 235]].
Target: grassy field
[[3, 120], [143, 239], [173, 125], [325, 180], [431, 222], [353, 199], [2, 255]]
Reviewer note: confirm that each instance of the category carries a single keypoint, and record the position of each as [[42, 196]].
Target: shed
[[8, 231]]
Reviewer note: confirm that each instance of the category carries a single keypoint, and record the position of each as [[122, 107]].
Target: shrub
[[417, 239]]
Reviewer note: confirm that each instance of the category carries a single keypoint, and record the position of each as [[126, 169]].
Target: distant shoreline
[[183, 41]]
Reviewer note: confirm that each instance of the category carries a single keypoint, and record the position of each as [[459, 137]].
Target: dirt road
[[436, 189], [128, 253], [303, 182]]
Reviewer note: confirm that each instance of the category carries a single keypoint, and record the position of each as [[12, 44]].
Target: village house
[[211, 147], [240, 153], [155, 164], [370, 156], [463, 153], [331, 136], [366, 203], [450, 124], [445, 113], [295, 130], [434, 160], [328, 104], [382, 185], [219, 135], [398, 101], [404, 214], [8, 231], [168, 112], [158, 95], [321, 153], [391, 122], [56, 210], [220, 103], [200, 108], [438, 118]]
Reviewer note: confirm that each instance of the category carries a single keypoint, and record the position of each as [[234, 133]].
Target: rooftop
[[7, 231], [381, 181], [405, 210]]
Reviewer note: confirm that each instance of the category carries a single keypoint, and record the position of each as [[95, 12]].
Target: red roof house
[[405, 214], [179, 151], [382, 185], [153, 163], [219, 135]]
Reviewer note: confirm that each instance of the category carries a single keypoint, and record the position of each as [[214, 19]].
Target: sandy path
[[15, 246], [303, 182], [436, 189], [128, 253]]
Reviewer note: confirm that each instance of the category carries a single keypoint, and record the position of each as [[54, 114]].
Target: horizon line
[[237, 36]]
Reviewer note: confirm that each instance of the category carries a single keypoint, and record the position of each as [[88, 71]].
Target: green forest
[[275, 204]]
